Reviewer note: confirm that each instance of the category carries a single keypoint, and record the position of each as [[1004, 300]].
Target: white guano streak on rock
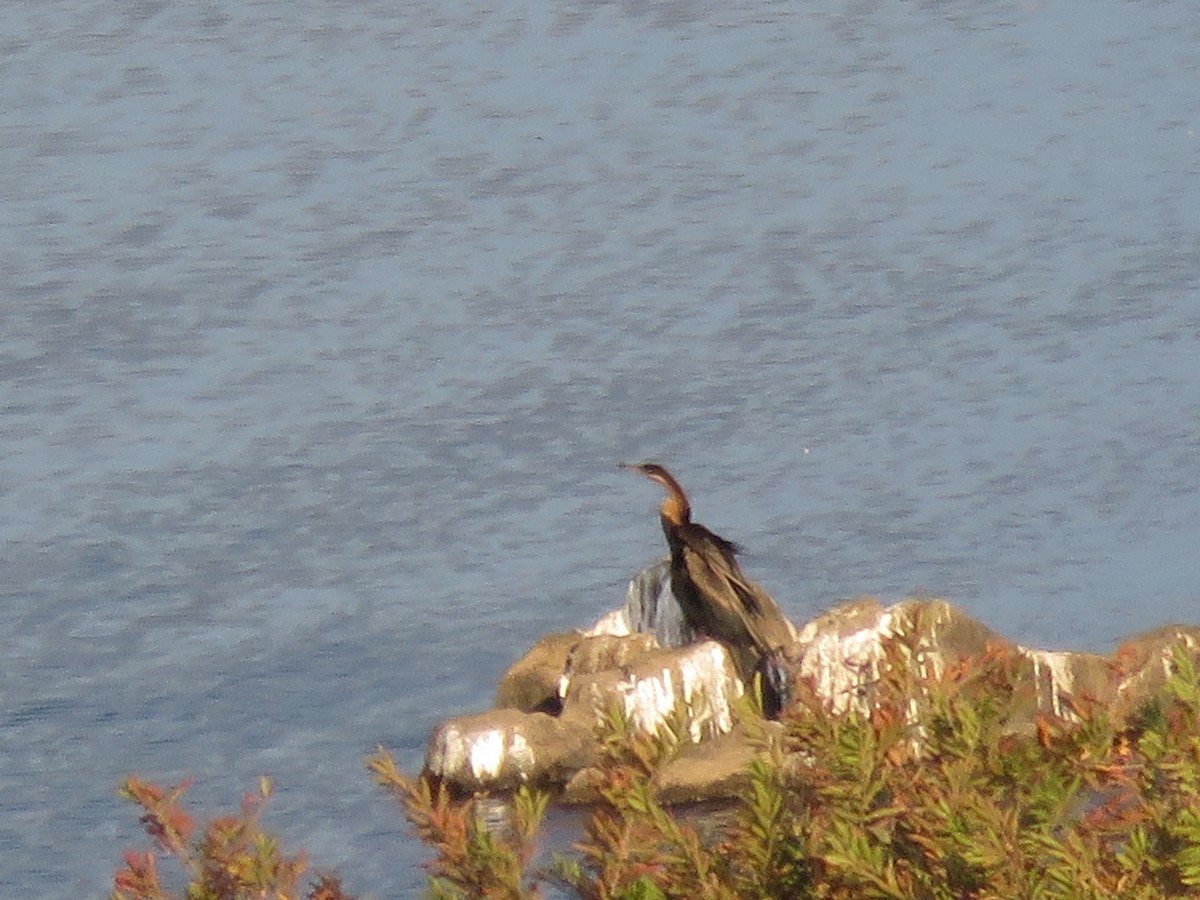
[[704, 688], [615, 623], [705, 678], [1168, 666], [487, 754], [447, 752], [484, 753], [521, 754], [841, 664], [1059, 679], [647, 701], [892, 626], [931, 661]]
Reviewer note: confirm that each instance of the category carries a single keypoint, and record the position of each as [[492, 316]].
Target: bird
[[717, 599]]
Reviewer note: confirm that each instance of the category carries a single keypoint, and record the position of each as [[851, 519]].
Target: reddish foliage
[[165, 820], [139, 878], [231, 857]]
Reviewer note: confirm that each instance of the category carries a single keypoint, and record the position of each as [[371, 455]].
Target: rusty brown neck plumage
[[675, 507], [675, 510]]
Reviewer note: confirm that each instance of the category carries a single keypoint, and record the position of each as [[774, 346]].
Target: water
[[325, 325]]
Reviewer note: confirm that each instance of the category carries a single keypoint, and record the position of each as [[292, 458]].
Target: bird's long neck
[[675, 508]]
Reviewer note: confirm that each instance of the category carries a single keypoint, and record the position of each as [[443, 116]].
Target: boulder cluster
[[643, 660]]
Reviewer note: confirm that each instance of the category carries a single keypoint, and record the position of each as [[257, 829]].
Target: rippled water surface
[[324, 326]]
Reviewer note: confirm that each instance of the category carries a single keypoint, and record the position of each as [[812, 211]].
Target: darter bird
[[717, 600]]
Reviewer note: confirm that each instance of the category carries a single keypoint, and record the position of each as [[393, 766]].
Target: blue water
[[323, 327]]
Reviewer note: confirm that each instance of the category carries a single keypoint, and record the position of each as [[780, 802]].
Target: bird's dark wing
[[735, 602]]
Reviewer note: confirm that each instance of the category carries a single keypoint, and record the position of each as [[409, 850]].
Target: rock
[[502, 749], [712, 770], [700, 678], [1061, 682], [538, 681], [531, 683], [650, 607], [715, 769], [1142, 664], [650, 618], [601, 652], [843, 652]]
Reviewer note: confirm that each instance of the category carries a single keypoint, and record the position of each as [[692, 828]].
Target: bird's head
[[676, 507], [653, 471]]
